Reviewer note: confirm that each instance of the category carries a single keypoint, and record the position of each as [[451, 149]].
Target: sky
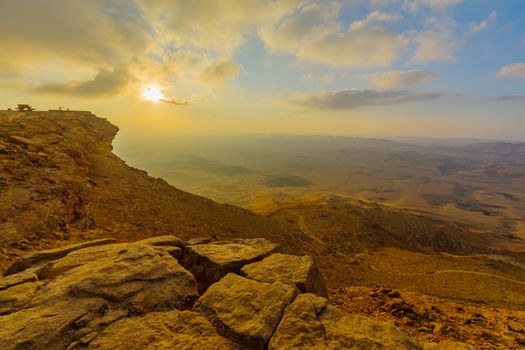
[[431, 68]]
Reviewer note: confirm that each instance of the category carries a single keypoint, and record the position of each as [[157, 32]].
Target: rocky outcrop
[[138, 296], [169, 330], [246, 310], [44, 161], [60, 184], [210, 262], [312, 323], [301, 271], [88, 289]]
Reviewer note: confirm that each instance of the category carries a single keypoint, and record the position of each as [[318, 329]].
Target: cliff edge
[[60, 184]]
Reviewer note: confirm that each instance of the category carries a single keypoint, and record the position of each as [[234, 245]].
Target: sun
[[152, 93]]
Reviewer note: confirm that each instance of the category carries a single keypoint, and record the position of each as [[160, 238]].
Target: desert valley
[[262, 175], [433, 274]]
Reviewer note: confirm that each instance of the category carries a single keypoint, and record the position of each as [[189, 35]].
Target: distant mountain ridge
[[60, 183]]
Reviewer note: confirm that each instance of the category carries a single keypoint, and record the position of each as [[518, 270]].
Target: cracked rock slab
[[300, 271], [212, 261], [184, 330], [138, 275], [45, 327], [310, 322], [88, 289], [244, 310]]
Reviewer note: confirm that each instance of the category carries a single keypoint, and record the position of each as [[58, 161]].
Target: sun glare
[[152, 93]]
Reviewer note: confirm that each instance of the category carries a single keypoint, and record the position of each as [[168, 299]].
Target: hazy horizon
[[396, 68]]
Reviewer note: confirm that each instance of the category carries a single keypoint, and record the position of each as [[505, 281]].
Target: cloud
[[104, 83], [439, 5], [219, 72], [437, 42], [397, 79], [174, 102], [376, 18], [159, 40], [315, 35], [383, 2], [442, 36], [216, 25], [513, 70], [351, 99], [510, 98], [481, 26], [78, 30]]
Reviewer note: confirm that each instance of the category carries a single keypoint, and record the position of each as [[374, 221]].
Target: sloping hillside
[[60, 183]]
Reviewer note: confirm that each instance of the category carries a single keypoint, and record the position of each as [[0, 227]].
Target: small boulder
[[300, 271], [310, 322], [212, 261], [244, 310]]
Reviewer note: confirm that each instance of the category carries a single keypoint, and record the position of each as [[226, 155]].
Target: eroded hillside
[[60, 183]]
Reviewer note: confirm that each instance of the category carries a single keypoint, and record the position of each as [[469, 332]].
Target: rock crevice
[[138, 296]]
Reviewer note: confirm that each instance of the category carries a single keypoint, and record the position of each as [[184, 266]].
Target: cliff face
[[44, 163], [60, 184]]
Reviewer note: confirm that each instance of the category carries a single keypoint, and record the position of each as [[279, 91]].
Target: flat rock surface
[[211, 261], [88, 289], [310, 322], [137, 296], [244, 310], [162, 331], [300, 271]]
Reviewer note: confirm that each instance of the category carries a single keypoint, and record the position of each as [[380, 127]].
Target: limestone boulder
[[138, 275], [87, 290], [300, 271], [49, 326], [244, 310], [310, 322], [184, 330], [211, 261]]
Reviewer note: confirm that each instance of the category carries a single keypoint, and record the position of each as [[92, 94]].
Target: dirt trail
[[482, 274]]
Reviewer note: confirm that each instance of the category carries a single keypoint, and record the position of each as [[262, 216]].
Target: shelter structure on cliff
[[25, 108]]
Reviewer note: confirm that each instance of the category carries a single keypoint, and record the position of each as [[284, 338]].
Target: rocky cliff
[[60, 184], [163, 293]]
